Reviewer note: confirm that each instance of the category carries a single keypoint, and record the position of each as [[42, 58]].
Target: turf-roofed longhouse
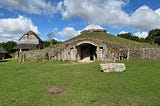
[[88, 47]]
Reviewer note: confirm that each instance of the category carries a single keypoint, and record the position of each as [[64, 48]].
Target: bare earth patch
[[56, 90]]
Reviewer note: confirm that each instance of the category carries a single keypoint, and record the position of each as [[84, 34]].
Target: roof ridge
[[30, 32]]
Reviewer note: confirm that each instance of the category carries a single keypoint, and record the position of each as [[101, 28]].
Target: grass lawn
[[85, 84]]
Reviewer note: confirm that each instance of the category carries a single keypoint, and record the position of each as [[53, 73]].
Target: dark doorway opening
[[93, 54], [87, 52]]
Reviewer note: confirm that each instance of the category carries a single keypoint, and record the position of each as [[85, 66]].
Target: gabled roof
[[31, 33], [2, 50]]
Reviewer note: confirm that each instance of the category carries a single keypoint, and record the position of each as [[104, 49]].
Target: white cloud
[[110, 13], [96, 11], [31, 6], [13, 28], [144, 18], [141, 34], [69, 32], [93, 26], [158, 11], [122, 32]]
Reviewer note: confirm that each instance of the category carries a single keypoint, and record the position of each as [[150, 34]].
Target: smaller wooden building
[[3, 53], [29, 41]]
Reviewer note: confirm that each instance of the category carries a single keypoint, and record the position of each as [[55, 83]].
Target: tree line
[[9, 45], [152, 38]]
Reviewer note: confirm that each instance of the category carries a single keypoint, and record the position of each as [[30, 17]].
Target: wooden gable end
[[29, 39]]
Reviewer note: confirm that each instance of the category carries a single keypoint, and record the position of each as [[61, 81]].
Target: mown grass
[[86, 85]]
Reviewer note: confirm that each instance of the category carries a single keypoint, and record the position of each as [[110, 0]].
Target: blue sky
[[67, 18]]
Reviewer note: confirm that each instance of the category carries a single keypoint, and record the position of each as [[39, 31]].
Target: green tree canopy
[[154, 36], [131, 37], [50, 37], [9, 45], [47, 43], [125, 35]]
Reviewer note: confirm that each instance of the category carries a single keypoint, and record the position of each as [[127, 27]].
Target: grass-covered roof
[[106, 38]]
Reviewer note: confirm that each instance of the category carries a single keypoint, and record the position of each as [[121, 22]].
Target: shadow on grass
[[2, 61]]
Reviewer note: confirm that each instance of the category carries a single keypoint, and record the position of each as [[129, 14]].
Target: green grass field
[[86, 85]]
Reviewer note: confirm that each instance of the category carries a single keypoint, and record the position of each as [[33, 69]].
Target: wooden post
[[128, 52], [149, 50]]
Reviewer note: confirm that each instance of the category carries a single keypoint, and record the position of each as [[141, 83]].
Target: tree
[[9, 45], [157, 40], [46, 43], [131, 37], [135, 38], [50, 37], [142, 40], [154, 36], [125, 35]]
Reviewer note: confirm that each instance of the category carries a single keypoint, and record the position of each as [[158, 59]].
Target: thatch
[[26, 46], [31, 33]]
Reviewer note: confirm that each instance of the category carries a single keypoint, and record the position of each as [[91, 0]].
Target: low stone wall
[[146, 53], [32, 55], [143, 53], [150, 53]]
